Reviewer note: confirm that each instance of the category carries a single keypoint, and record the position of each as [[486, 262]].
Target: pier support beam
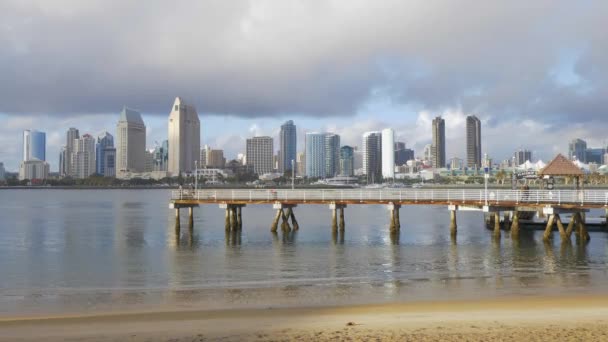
[[190, 216], [275, 222], [334, 207], [284, 212], [515, 225], [239, 218], [506, 217], [453, 221], [547, 234], [294, 222], [227, 219], [497, 224], [342, 218], [285, 221], [576, 222], [234, 219], [394, 220]]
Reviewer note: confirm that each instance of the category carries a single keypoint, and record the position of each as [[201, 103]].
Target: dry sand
[[516, 319]]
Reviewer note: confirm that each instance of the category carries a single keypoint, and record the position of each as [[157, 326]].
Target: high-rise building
[[347, 161], [215, 159], [34, 145], [2, 172], [521, 156], [473, 142], [595, 155], [287, 146], [315, 155], [63, 155], [372, 156], [205, 154], [260, 154], [33, 169], [149, 160], [130, 142], [184, 137], [105, 141], [332, 155], [438, 146], [109, 163], [301, 164], [161, 156], [388, 153], [71, 136], [83, 157], [577, 150], [428, 153], [402, 154]]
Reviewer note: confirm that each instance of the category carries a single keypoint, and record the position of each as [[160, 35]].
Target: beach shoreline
[[537, 318]]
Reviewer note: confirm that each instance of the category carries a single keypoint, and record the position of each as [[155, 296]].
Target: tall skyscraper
[[522, 156], [105, 141], [130, 142], [332, 155], [2, 172], [63, 154], [388, 153], [83, 157], [372, 156], [161, 156], [34, 145], [315, 155], [260, 152], [577, 150], [473, 142], [347, 161], [438, 146], [184, 137], [71, 136], [287, 146], [402, 154]]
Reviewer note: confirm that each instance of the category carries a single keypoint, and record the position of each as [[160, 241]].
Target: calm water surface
[[104, 250]]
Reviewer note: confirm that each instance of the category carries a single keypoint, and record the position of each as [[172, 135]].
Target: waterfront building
[[105, 141], [2, 172], [577, 150], [301, 164], [260, 154], [287, 146], [109, 162], [71, 136], [184, 137], [130, 142], [315, 155], [438, 145], [522, 156], [372, 156], [388, 153], [83, 157], [34, 145], [33, 170], [161, 156], [332, 155], [473, 142], [347, 161]]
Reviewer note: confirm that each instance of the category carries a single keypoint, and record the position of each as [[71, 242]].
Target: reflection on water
[[97, 249]]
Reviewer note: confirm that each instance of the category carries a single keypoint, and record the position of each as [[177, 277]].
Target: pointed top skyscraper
[[130, 142], [184, 137]]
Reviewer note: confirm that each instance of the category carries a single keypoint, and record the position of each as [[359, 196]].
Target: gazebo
[[560, 166]]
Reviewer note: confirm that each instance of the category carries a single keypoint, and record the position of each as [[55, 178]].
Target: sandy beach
[[564, 318]]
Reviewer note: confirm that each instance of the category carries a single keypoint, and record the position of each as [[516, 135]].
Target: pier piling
[[453, 223], [497, 224], [515, 225], [342, 225], [294, 222], [275, 222]]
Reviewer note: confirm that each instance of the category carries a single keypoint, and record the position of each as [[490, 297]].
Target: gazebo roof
[[561, 166]]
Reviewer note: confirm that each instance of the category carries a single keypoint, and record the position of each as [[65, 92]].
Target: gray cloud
[[318, 58]]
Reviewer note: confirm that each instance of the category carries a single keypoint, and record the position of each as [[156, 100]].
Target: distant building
[[577, 150], [301, 164], [184, 138], [428, 154], [332, 155], [2, 172], [71, 136], [522, 156], [388, 153], [473, 142], [347, 161], [438, 146], [205, 152], [149, 160], [109, 162], [63, 156], [130, 142], [215, 159], [105, 141], [287, 146], [260, 154], [402, 154], [372, 156], [83, 157], [315, 155], [161, 156], [594, 155], [358, 159], [33, 169], [456, 164], [34, 145]]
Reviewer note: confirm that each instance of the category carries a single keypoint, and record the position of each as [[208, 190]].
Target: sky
[[534, 72]]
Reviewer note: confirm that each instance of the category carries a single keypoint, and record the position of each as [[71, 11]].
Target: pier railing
[[471, 196]]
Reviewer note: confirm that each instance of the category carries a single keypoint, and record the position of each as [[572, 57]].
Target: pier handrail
[[457, 196]]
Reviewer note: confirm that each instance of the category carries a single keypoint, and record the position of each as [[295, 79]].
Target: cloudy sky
[[535, 72]]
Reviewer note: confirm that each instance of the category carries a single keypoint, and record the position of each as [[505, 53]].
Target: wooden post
[[190, 216], [453, 223], [239, 218], [560, 227], [285, 223], [515, 224], [497, 224], [582, 229], [397, 219], [341, 218], [571, 224], [334, 219], [227, 220], [392, 219], [275, 222], [233, 223], [547, 234], [294, 222], [505, 220]]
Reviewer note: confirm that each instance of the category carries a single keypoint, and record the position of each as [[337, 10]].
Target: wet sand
[[560, 318]]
